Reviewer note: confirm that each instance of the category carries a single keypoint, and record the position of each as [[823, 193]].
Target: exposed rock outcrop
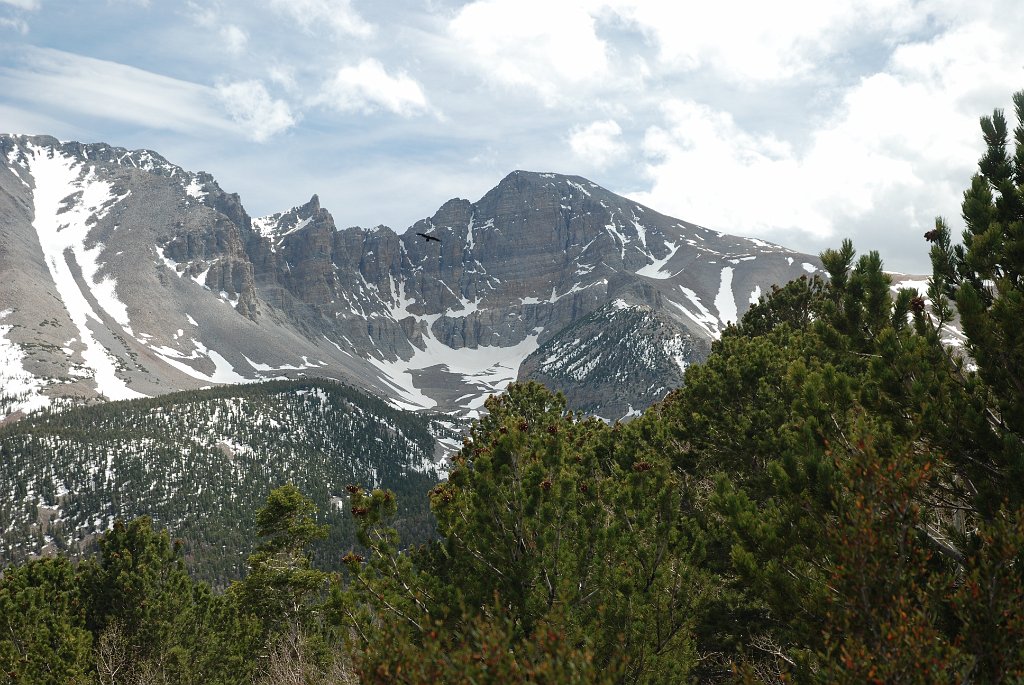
[[121, 274]]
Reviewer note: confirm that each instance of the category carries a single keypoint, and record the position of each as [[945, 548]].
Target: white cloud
[[757, 42], [251, 106], [284, 76], [543, 45], [26, 122], [967, 67], [898, 150], [598, 144], [98, 88], [234, 39], [706, 169], [799, 120], [337, 14], [29, 5], [555, 48], [18, 25], [202, 15], [368, 87]]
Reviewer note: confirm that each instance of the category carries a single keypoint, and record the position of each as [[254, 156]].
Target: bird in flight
[[428, 238]]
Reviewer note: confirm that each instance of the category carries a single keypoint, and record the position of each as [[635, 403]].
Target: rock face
[[122, 274], [616, 360]]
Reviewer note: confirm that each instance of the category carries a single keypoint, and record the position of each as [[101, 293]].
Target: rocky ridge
[[122, 275]]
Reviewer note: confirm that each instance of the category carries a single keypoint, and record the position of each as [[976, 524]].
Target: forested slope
[[202, 462]]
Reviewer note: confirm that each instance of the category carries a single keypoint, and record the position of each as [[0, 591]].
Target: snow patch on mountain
[[951, 335], [725, 301], [105, 291], [399, 376], [200, 278], [765, 244], [297, 227], [469, 234], [19, 389], [656, 268], [400, 307], [167, 261], [194, 189], [918, 284], [622, 240], [265, 225], [578, 187], [223, 371], [275, 227], [488, 369], [755, 295], [62, 222], [675, 348], [641, 230], [264, 368], [703, 317]]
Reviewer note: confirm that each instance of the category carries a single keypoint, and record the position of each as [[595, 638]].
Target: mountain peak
[[535, 189], [431, 325], [100, 153], [521, 176]]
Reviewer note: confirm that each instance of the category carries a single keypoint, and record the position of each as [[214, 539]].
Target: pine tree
[[43, 638], [985, 277], [282, 592], [574, 529]]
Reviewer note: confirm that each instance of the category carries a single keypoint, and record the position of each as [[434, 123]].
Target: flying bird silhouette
[[428, 238]]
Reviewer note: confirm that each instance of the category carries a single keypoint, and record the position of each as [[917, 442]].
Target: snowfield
[[62, 223]]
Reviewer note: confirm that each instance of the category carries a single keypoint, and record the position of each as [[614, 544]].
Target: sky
[[802, 122]]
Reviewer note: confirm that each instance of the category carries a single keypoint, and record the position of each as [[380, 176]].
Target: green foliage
[[885, 616], [985, 277], [43, 638], [147, 615], [518, 509], [793, 304], [132, 614], [487, 648], [282, 589], [987, 601], [575, 527], [390, 588], [818, 390]]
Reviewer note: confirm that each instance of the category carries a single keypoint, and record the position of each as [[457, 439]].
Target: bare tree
[[289, 664]]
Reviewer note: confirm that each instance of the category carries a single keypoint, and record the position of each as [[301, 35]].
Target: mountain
[[202, 463], [618, 355], [123, 275]]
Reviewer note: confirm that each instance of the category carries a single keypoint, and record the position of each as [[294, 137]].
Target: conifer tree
[[139, 595], [985, 277], [575, 530], [283, 592], [43, 638]]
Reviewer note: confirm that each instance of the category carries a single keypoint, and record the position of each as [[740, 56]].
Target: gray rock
[[184, 289]]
